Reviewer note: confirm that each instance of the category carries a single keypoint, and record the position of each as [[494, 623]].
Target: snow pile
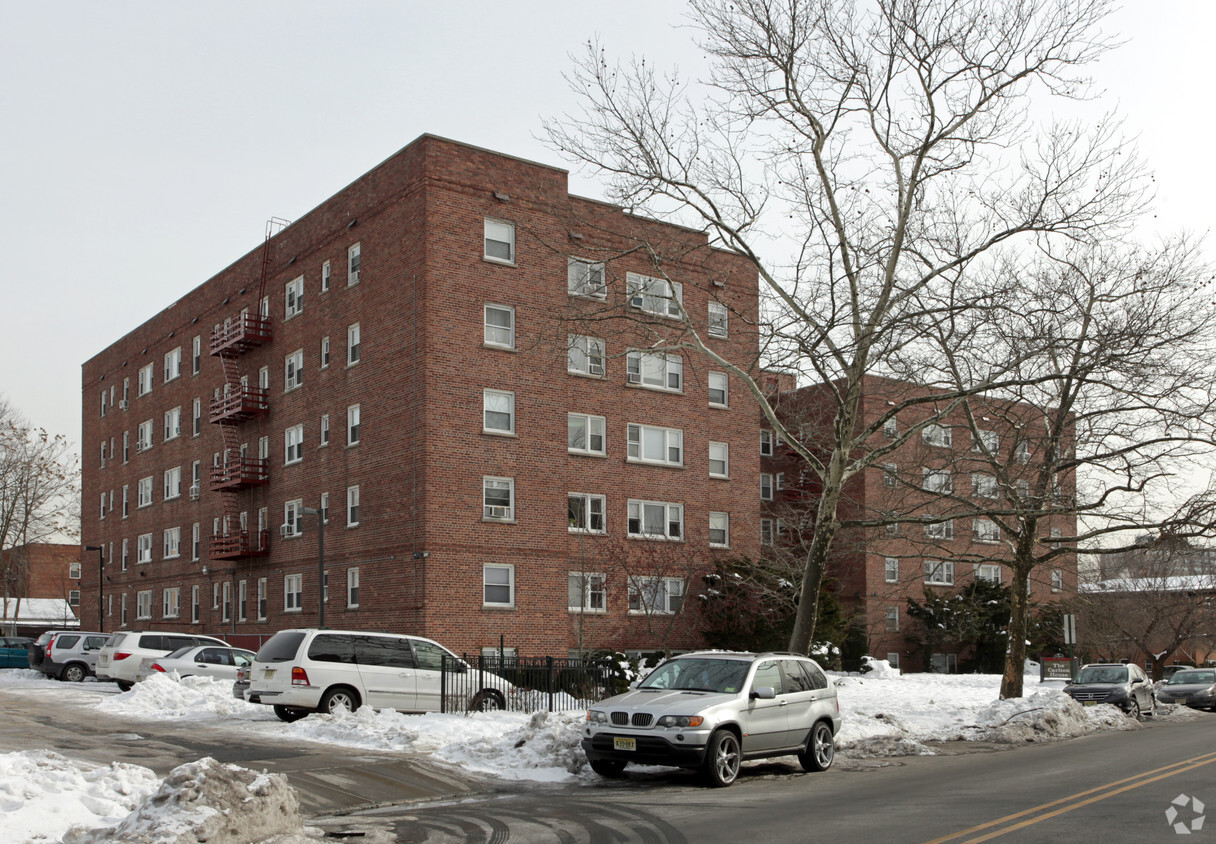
[[1046, 715], [878, 669], [42, 794], [166, 696], [545, 748], [20, 676], [208, 801]]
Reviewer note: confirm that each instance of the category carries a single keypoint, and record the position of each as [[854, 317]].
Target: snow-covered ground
[[43, 795]]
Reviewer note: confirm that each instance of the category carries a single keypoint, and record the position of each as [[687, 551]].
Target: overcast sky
[[144, 145]]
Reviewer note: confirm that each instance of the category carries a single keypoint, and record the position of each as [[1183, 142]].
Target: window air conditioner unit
[[139, 447], [634, 377], [635, 301], [496, 512], [123, 404], [286, 531], [194, 492]]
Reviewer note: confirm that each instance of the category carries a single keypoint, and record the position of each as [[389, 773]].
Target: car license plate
[[619, 743], [1089, 703], [268, 674]]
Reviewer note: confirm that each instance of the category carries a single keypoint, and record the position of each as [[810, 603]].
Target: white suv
[[123, 652], [712, 710]]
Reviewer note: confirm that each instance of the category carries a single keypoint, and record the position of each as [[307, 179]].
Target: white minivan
[[311, 670]]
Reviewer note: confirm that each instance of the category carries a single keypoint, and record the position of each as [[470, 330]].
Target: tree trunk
[[1019, 626]]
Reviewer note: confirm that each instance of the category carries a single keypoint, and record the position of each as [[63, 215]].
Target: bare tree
[[867, 163]]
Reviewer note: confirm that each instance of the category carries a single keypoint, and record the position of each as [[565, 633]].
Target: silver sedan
[[198, 661]]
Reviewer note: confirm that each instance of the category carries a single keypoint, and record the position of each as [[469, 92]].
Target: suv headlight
[[594, 716], [681, 721]]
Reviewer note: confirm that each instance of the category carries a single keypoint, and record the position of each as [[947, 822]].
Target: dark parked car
[[1170, 670], [14, 651], [1195, 687], [1124, 686]]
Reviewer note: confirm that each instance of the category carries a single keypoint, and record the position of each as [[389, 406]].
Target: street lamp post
[[101, 577], [309, 511]]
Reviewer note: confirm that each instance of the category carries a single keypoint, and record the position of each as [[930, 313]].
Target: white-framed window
[[1057, 580], [985, 530], [1022, 452], [766, 531], [655, 370], [354, 260], [499, 241], [144, 497], [587, 592], [498, 411], [586, 278], [122, 566], [766, 486], [893, 658], [498, 498], [890, 475], [1055, 534], [352, 506], [195, 542], [325, 352], [242, 598], [655, 595], [293, 444], [173, 364], [194, 605], [122, 618], [103, 506], [293, 370], [988, 571], [262, 598], [173, 482], [656, 519], [291, 517], [498, 585], [718, 317], [1023, 487], [324, 508], [987, 441], [585, 355], [143, 604], [891, 570], [940, 530], [892, 621], [293, 593], [585, 512], [74, 597], [264, 378], [326, 276], [779, 481], [196, 355], [718, 391], [196, 427], [766, 443], [939, 572], [354, 344], [354, 416], [143, 438], [143, 547], [939, 481], [264, 448], [171, 602], [656, 296], [984, 485], [651, 444], [215, 596], [126, 446], [105, 395], [144, 380], [719, 460], [352, 587], [74, 571], [500, 326], [293, 298], [719, 530], [226, 601], [937, 435], [890, 428], [324, 435], [585, 434]]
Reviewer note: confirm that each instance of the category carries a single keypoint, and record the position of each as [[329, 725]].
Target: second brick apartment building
[[455, 359]]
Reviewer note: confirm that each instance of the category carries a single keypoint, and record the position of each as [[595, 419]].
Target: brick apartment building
[[930, 476], [46, 576], [448, 357]]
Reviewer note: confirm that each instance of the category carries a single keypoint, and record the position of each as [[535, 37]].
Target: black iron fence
[[524, 684]]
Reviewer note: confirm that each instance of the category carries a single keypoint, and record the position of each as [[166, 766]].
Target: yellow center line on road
[[1075, 801]]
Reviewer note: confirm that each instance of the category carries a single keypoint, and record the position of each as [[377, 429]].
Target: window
[[293, 298], [144, 380], [719, 530], [145, 492], [123, 562], [766, 531], [585, 512], [103, 506], [171, 601], [293, 593], [498, 585], [987, 441], [324, 352], [656, 520], [226, 601], [326, 275], [766, 486], [291, 517], [988, 571], [651, 369], [123, 611], [173, 364], [74, 597], [104, 397], [74, 571], [352, 506], [143, 440], [937, 480], [1023, 487], [261, 599], [144, 548], [143, 604], [498, 412], [500, 326], [242, 598], [891, 570], [293, 444], [584, 278], [353, 416], [324, 508], [984, 485], [585, 355], [655, 595], [264, 378], [586, 592], [194, 542], [196, 477], [126, 446], [892, 619], [718, 316], [890, 475], [779, 481], [215, 596], [654, 295], [719, 460], [584, 434], [1023, 452], [196, 355], [353, 344], [1055, 534], [1057, 580], [648, 444], [766, 443], [197, 423], [937, 435], [324, 435], [717, 389], [499, 241], [939, 572], [293, 370], [985, 530], [498, 496], [173, 482], [353, 261], [890, 428], [194, 605], [940, 530]]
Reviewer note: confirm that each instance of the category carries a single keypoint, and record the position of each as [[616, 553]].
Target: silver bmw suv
[[712, 710]]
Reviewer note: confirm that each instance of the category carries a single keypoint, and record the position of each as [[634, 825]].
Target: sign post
[[1070, 635]]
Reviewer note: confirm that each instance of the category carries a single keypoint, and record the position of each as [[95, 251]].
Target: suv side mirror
[[1137, 680], [763, 693]]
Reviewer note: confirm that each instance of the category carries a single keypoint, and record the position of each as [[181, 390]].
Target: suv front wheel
[[722, 759], [820, 749]]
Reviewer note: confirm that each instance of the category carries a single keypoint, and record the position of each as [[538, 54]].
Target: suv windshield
[[700, 675], [1102, 674], [1192, 677]]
